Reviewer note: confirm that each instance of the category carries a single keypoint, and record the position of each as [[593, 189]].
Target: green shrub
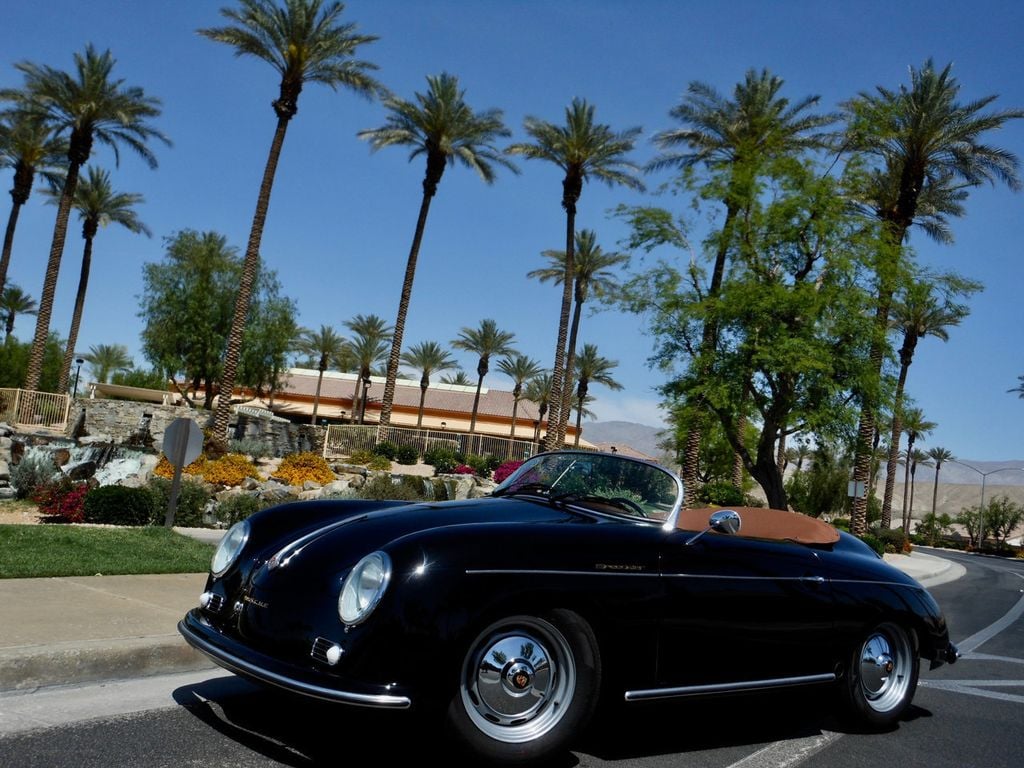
[[386, 449], [379, 464], [249, 446], [874, 542], [720, 493], [842, 523], [481, 465], [443, 460], [192, 500], [362, 456], [406, 454], [892, 539], [381, 488], [238, 507], [34, 470], [120, 505]]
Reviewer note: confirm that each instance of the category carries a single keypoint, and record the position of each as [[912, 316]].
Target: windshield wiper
[[541, 489]]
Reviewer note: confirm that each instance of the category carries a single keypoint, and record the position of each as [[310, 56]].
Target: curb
[[71, 663]]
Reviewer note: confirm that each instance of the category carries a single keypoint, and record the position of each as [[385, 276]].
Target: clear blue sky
[[341, 219]]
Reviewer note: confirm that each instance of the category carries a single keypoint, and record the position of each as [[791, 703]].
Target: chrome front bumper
[[228, 654]]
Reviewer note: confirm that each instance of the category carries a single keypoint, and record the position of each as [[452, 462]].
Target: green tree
[[1019, 389], [427, 357], [441, 127], [271, 334], [137, 377], [306, 42], [14, 362], [939, 456], [927, 153], [821, 488], [90, 107], [105, 359], [582, 149], [520, 369], [1003, 517], [28, 146], [371, 338], [98, 205], [459, 378], [591, 368], [484, 341], [323, 345], [538, 390], [926, 308], [14, 302], [732, 139], [593, 275]]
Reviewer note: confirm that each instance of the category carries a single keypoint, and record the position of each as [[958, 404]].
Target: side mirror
[[725, 521]]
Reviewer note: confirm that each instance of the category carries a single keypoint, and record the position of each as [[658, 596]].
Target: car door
[[742, 611]]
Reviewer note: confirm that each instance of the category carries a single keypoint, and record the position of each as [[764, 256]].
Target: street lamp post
[[78, 370], [981, 509]]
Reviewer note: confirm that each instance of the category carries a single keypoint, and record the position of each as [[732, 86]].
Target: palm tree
[[323, 345], [520, 369], [917, 315], [591, 367], [939, 456], [484, 341], [741, 135], [13, 302], [915, 458], [929, 154], [592, 275], [91, 107], [915, 425], [105, 359], [27, 145], [459, 378], [98, 205], [538, 390], [427, 357], [1019, 389], [440, 126], [582, 149], [371, 337], [306, 42]]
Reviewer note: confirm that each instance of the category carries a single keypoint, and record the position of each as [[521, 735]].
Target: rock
[[7, 493], [83, 470], [338, 486], [481, 488], [458, 486], [250, 484], [5, 442], [349, 469], [17, 451], [93, 439], [5, 470], [61, 456], [275, 493], [311, 485], [5, 429], [356, 481], [310, 495]]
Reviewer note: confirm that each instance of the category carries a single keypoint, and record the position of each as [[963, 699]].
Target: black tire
[[527, 686], [880, 678]]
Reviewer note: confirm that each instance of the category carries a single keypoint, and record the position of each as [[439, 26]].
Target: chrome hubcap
[[885, 664], [518, 680]]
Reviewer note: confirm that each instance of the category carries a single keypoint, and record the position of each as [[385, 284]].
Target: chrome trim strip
[[749, 685], [235, 664], [812, 579], [880, 583], [543, 572]]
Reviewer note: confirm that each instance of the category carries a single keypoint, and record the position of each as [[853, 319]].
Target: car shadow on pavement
[[296, 731]]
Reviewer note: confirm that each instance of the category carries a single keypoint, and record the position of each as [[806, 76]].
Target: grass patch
[[34, 551]]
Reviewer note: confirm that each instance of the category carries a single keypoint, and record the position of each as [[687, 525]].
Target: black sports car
[[581, 575]]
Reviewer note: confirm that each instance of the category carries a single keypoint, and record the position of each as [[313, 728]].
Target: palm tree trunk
[[250, 270], [481, 372], [906, 480], [906, 354], [316, 397], [76, 317], [691, 466], [910, 506], [515, 410], [558, 381], [5, 255], [935, 490], [403, 310], [60, 231], [570, 362], [419, 416]]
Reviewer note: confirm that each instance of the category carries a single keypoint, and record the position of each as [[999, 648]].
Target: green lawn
[[31, 551]]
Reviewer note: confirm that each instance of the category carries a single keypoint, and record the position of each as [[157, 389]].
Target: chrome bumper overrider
[[196, 636]]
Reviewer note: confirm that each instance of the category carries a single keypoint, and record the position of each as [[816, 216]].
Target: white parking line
[[784, 754]]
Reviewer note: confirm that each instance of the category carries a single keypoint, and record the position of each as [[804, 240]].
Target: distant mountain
[[958, 474], [639, 437]]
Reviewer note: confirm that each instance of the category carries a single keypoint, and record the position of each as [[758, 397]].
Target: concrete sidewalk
[[63, 631]]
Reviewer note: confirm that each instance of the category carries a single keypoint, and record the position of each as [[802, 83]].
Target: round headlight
[[229, 548], [364, 587]]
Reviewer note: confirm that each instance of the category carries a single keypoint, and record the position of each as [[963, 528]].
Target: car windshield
[[603, 482]]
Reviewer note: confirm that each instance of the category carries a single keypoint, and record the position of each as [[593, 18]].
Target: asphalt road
[[969, 714]]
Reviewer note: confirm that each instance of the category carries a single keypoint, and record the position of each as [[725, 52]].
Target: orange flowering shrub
[[164, 468], [300, 467], [230, 469]]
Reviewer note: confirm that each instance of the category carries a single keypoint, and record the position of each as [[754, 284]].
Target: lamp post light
[[78, 371], [981, 508]]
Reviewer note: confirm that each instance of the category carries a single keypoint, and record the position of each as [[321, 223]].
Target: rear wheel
[[881, 676], [527, 685]]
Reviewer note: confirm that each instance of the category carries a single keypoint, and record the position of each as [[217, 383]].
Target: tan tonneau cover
[[761, 523]]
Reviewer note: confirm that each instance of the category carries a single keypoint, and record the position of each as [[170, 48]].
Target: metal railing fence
[[23, 407], [342, 440]]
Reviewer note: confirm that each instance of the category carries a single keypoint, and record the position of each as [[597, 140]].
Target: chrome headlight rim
[[229, 548], [355, 606]]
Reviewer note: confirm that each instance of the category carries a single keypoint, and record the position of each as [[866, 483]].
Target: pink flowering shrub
[[464, 469], [506, 469], [62, 500]]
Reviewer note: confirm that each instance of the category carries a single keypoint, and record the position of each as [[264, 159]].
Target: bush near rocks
[[406, 454], [62, 499], [230, 469], [32, 472], [300, 467], [192, 500], [238, 507], [120, 505]]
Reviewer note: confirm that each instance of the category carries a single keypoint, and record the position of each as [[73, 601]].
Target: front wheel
[[881, 676], [527, 685]]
